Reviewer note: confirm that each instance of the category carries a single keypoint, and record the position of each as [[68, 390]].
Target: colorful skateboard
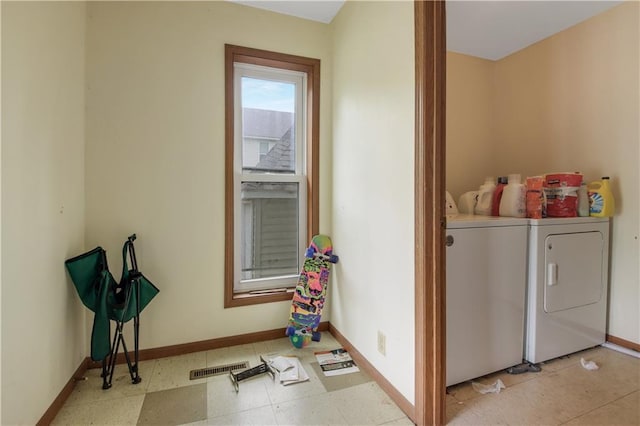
[[308, 298]]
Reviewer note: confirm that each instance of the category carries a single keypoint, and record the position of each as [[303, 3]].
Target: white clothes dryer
[[567, 286]]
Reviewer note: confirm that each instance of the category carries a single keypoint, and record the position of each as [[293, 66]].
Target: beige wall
[[470, 122], [155, 151], [570, 103], [567, 103], [42, 203], [373, 191]]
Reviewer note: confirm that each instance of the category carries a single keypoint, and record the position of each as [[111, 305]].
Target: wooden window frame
[[266, 58]]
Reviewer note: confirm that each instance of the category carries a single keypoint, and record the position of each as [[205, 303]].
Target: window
[[271, 161]]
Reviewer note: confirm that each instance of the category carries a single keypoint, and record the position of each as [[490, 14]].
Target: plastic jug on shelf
[[497, 196], [601, 202], [467, 202], [485, 197], [513, 198]]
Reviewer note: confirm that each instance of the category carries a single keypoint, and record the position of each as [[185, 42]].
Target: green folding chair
[[112, 301]]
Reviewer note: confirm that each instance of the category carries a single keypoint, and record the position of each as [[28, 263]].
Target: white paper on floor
[[293, 375], [492, 388], [588, 365], [288, 367], [282, 363]]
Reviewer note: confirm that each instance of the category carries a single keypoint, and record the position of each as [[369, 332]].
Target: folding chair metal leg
[[136, 353], [135, 274], [105, 374], [109, 363], [119, 337]]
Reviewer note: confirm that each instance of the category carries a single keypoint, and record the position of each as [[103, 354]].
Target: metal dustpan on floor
[[111, 301]]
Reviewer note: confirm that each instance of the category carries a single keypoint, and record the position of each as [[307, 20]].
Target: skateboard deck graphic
[[310, 292]]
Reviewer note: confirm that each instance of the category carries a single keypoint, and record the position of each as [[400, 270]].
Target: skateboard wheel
[[297, 341], [290, 331], [316, 336], [334, 259], [309, 252], [306, 340]]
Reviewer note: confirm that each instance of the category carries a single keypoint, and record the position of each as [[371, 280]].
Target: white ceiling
[[315, 10], [487, 29], [495, 29]]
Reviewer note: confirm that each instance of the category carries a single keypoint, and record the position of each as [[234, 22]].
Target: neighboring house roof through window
[[266, 124], [280, 157], [275, 126]]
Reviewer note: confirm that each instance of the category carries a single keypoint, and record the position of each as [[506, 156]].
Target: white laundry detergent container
[[467, 202], [485, 197]]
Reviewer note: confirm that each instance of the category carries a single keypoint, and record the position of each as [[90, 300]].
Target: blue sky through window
[[267, 94]]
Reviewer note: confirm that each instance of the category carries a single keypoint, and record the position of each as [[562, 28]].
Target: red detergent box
[[561, 190]]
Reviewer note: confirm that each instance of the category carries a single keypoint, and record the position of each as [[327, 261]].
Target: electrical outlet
[[382, 343]]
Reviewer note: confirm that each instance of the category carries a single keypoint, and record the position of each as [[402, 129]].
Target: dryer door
[[573, 270]]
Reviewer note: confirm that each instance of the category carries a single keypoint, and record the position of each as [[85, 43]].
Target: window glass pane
[[268, 133], [269, 229]]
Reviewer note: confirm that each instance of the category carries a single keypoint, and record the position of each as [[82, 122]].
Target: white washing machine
[[485, 294], [567, 286]]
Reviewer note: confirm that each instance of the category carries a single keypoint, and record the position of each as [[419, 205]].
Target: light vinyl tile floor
[[563, 393], [166, 396]]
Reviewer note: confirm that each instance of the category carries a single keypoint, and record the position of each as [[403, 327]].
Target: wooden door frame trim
[[430, 344]]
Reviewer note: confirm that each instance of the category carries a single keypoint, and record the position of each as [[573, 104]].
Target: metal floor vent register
[[201, 373]]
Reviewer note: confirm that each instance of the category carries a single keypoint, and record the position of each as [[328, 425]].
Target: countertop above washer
[[459, 221], [478, 221]]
